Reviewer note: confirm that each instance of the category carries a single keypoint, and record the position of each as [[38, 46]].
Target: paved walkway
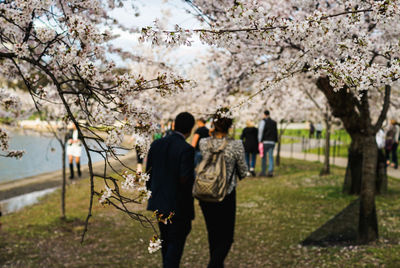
[[337, 161]]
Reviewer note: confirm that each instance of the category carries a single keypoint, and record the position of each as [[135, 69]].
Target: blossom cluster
[[154, 245], [136, 182]]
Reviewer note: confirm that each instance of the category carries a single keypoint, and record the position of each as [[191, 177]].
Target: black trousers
[[220, 222], [173, 236]]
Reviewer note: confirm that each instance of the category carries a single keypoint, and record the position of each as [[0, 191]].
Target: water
[[18, 202], [42, 154]]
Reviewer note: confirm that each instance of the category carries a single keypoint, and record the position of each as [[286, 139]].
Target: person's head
[[266, 113], [184, 123], [249, 123], [223, 124], [201, 122], [393, 122], [71, 125]]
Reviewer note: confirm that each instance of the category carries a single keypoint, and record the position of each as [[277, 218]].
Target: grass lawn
[[340, 151], [273, 216], [338, 134]]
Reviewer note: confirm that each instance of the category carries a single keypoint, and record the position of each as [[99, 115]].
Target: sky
[[173, 12]]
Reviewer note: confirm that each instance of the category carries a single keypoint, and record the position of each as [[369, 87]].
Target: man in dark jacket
[[170, 165], [268, 135]]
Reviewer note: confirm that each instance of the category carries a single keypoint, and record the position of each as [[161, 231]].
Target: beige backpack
[[211, 182]]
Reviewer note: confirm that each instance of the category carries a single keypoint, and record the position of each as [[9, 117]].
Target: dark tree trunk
[[381, 173], [326, 168], [352, 180], [368, 223], [64, 181], [278, 154], [278, 149], [356, 118]]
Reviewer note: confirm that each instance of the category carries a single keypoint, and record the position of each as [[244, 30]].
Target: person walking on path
[[391, 144], [250, 141], [170, 165], [74, 150], [220, 216], [311, 130], [318, 130], [268, 136], [201, 132]]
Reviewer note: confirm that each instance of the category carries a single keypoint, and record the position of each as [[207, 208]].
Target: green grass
[[273, 216], [6, 120], [338, 134], [340, 151]]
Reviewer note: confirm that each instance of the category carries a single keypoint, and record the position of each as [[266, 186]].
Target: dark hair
[[266, 112], [223, 124], [201, 119], [184, 122]]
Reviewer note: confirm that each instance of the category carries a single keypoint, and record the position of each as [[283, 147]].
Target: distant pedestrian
[[311, 130], [318, 130], [169, 128], [268, 136], [170, 164], [74, 151], [381, 161], [201, 132], [250, 141], [391, 144], [139, 154], [158, 134], [220, 216]]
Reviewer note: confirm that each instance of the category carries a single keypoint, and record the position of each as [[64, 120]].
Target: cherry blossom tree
[[68, 44], [13, 107], [350, 47]]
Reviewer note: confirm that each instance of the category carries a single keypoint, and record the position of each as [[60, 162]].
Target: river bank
[[54, 179]]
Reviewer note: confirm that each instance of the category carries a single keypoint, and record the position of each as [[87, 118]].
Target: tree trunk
[[368, 223], [64, 181], [326, 168], [381, 174], [278, 149], [352, 180], [278, 153], [355, 115]]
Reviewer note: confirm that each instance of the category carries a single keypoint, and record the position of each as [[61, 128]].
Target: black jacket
[[170, 164], [250, 140], [270, 130]]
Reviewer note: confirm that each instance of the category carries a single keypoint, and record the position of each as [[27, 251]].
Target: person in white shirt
[[74, 150]]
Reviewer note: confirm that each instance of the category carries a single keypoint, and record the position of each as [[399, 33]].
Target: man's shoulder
[[157, 142]]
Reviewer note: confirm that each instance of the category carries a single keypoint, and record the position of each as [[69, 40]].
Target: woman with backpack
[[219, 208]]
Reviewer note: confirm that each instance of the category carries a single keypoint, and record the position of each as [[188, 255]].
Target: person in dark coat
[[268, 136], [170, 165], [250, 141]]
